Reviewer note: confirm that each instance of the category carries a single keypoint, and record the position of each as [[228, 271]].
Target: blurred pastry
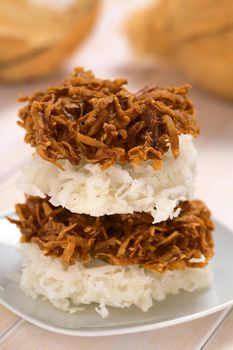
[[194, 36], [37, 36]]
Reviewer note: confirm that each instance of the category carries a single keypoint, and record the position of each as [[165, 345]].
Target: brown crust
[[121, 239], [101, 122]]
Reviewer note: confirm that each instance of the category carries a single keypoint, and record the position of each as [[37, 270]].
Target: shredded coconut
[[86, 189], [69, 287]]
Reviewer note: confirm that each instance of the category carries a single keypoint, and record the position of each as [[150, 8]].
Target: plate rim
[[118, 331]]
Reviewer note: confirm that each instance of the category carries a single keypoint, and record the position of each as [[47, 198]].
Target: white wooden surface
[[108, 55]]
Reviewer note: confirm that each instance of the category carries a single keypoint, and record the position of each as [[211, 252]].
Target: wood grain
[[222, 339], [7, 320]]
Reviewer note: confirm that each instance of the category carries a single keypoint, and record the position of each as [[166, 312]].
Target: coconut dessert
[[109, 215]]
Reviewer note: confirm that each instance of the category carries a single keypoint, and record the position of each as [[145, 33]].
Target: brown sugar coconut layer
[[121, 239], [102, 122]]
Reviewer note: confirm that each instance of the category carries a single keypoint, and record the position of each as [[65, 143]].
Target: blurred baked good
[[36, 38], [195, 36]]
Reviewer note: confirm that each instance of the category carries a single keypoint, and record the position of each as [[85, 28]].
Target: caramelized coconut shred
[[102, 122], [120, 239]]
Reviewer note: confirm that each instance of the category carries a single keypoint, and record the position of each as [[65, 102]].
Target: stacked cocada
[[108, 216]]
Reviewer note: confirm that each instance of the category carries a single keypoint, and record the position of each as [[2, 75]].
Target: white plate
[[173, 310]]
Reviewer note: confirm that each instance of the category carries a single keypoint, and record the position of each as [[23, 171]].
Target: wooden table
[[214, 185]]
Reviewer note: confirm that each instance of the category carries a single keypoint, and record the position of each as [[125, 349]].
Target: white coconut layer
[[69, 287], [86, 189]]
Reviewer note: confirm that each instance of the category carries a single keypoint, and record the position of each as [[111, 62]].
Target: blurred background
[[161, 42]]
